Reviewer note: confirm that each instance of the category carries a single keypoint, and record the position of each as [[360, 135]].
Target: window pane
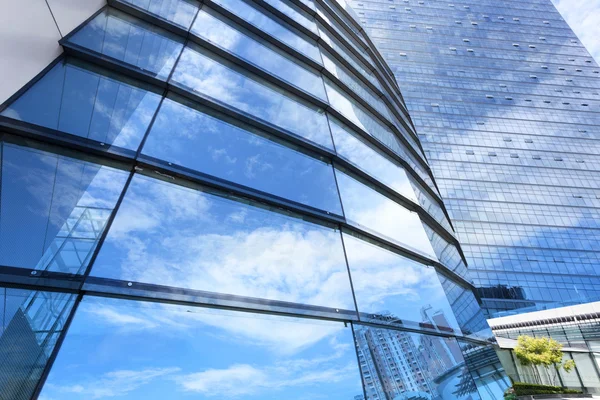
[[241, 155], [216, 29], [390, 285], [180, 12], [117, 35], [170, 235], [294, 12], [30, 323], [354, 149], [486, 370], [402, 365], [367, 208], [81, 100], [53, 208], [135, 350], [269, 25], [226, 83]]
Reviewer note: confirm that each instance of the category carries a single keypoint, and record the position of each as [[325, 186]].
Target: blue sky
[[584, 18]]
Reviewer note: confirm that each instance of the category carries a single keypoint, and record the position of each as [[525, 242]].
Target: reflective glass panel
[[53, 208], [127, 39], [486, 370], [354, 149], [240, 154], [278, 30], [390, 285], [180, 12], [170, 235], [225, 83], [216, 29], [402, 365], [136, 350], [294, 12], [375, 212], [30, 324], [81, 100]]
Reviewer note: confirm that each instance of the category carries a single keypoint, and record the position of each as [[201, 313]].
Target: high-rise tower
[[506, 102], [221, 199]]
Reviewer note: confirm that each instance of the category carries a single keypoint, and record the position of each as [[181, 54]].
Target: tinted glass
[[201, 73], [218, 30], [30, 323], [390, 285], [275, 28], [76, 99], [367, 208], [354, 149], [402, 365], [170, 235], [135, 350], [117, 35], [294, 12], [240, 155], [486, 370], [53, 208], [180, 12]]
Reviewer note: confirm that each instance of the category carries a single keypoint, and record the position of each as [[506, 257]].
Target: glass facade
[[227, 199], [505, 100]]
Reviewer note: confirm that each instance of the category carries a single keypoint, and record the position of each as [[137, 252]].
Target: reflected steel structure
[[505, 101], [190, 167]]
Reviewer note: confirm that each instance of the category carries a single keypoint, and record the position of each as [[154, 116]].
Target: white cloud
[[113, 384], [584, 18]]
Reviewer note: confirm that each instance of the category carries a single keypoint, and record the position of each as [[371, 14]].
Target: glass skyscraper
[[222, 199], [505, 100]]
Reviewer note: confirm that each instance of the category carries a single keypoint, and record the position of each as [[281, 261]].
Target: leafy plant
[[545, 352]]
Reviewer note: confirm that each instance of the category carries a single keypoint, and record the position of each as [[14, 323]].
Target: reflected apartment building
[[217, 199]]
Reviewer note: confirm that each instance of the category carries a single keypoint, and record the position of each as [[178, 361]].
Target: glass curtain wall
[[226, 200]]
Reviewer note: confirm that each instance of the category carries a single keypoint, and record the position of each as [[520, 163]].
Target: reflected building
[[215, 200], [505, 101]]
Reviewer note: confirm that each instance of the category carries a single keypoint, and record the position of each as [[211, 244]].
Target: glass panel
[[30, 324], [53, 209], [367, 208], [571, 379], [135, 350], [278, 30], [117, 35], [587, 370], [390, 285], [294, 12], [364, 119], [240, 154], [170, 235], [402, 365], [78, 99], [486, 370], [447, 253], [359, 47], [180, 12], [355, 149], [201, 73], [216, 29]]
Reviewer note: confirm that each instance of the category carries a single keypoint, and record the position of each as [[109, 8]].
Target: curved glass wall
[[221, 202]]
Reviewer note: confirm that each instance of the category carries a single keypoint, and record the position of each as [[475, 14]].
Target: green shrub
[[525, 389]]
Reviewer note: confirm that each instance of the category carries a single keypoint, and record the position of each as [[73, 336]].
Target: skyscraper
[[505, 101], [220, 199]]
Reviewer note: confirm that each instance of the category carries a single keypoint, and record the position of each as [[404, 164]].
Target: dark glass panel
[[30, 324], [201, 72], [53, 208], [390, 285], [81, 100], [175, 236], [365, 207], [180, 12], [240, 154], [216, 29], [402, 365], [127, 39], [294, 12], [485, 368], [135, 350]]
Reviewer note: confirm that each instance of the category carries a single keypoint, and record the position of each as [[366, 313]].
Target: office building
[[220, 199], [505, 101]]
